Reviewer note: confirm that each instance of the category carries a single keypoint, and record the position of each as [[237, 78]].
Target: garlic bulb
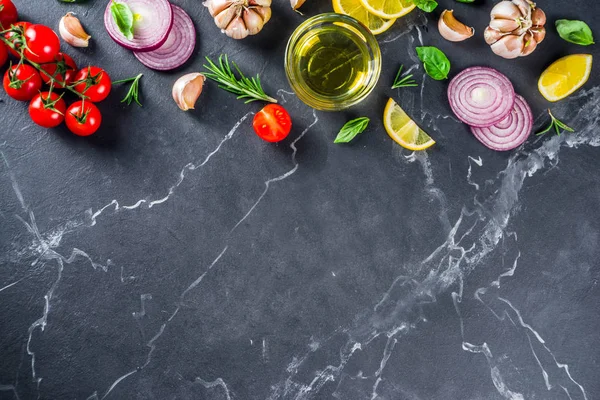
[[72, 32], [452, 29], [187, 89], [239, 18], [516, 28], [296, 4]]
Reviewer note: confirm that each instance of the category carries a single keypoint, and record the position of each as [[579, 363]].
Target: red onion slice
[[481, 96], [178, 47], [153, 21], [509, 133]]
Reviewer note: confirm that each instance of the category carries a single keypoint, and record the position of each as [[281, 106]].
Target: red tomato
[[47, 109], [17, 38], [22, 82], [3, 54], [8, 14], [63, 69], [42, 44], [272, 123], [94, 83], [83, 118]]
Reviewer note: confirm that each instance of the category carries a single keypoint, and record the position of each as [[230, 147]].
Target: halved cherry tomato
[[42, 44], [83, 118], [63, 69], [22, 82], [3, 54], [8, 14], [272, 123], [17, 39], [95, 83], [47, 109]]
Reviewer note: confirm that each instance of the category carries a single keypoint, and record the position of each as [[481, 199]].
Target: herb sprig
[[245, 88], [351, 129], [134, 90], [557, 124], [403, 80]]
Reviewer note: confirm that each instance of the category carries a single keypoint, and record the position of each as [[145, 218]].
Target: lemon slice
[[355, 9], [388, 9], [403, 130], [565, 76]]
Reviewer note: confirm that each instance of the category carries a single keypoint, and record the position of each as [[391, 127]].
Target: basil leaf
[[434, 61], [466, 1], [426, 5], [123, 17], [577, 32], [351, 129]]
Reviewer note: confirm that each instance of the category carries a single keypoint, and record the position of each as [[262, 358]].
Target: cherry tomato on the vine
[[8, 14], [94, 82], [17, 39], [63, 69], [3, 54], [42, 44], [272, 123], [22, 82], [83, 118], [47, 109]]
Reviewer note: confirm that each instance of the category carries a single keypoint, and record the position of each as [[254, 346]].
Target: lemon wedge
[[404, 130], [388, 9], [355, 9], [565, 76]]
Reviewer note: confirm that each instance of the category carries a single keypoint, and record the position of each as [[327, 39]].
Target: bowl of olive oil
[[332, 61]]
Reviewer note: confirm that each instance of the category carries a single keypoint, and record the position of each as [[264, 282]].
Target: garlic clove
[[530, 44], [504, 25], [538, 17], [72, 32], [224, 18], [261, 3], [296, 4], [236, 29], [538, 34], [491, 36], [505, 10], [452, 29], [525, 6], [265, 13], [187, 89], [509, 46], [217, 6], [253, 21]]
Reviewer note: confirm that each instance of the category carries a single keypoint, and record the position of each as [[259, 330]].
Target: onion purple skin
[[483, 78], [164, 12], [177, 49], [509, 133]]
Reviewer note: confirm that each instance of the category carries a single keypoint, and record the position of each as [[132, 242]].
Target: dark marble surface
[[176, 256]]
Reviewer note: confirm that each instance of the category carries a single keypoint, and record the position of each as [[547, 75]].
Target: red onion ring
[[151, 28], [481, 96], [178, 47], [509, 133]]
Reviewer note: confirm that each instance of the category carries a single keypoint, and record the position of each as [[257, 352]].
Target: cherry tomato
[[47, 109], [3, 54], [22, 82], [17, 39], [83, 118], [42, 44], [94, 83], [272, 123], [63, 69], [8, 14]]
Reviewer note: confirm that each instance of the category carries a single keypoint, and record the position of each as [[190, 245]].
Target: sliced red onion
[[481, 96], [178, 47], [153, 21], [509, 133]]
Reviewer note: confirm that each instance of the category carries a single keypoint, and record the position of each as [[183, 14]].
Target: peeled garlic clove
[[296, 4], [224, 18], [217, 6], [504, 25], [452, 29], [187, 89], [509, 46], [491, 36], [505, 10], [538, 34], [530, 45], [254, 22], [237, 29], [72, 32], [538, 17]]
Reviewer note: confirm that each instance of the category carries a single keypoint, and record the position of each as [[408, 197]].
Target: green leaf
[[577, 32], [351, 129], [434, 61], [466, 1], [426, 5], [123, 17]]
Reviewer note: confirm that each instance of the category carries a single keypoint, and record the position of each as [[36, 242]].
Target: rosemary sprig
[[245, 88], [403, 81], [134, 90], [556, 124]]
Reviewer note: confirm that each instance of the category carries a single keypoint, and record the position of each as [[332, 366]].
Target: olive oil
[[333, 62]]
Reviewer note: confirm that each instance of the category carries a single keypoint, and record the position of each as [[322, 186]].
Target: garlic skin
[[296, 4], [72, 32], [187, 89], [239, 18], [452, 29], [516, 28]]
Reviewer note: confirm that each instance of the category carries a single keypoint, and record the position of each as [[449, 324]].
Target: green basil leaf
[[426, 5], [434, 61], [123, 17], [351, 129], [466, 1], [577, 32]]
